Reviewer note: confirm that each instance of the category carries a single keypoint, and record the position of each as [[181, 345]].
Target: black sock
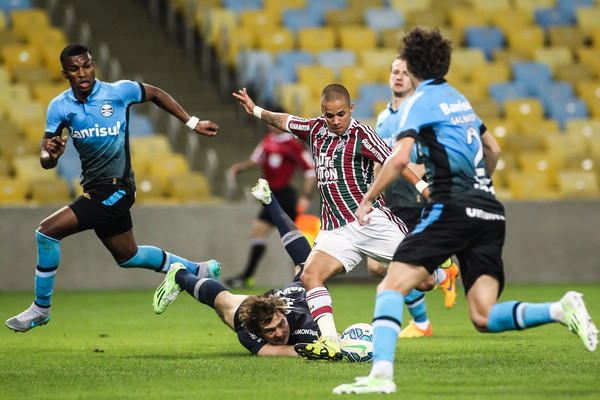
[[205, 293], [256, 252]]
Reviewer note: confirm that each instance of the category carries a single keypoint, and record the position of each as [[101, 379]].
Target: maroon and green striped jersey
[[344, 165]]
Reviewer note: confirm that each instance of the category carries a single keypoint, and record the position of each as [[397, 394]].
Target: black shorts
[[445, 230], [286, 197], [409, 215], [105, 209]]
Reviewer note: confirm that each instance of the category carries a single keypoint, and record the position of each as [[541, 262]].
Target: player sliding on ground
[[268, 324]]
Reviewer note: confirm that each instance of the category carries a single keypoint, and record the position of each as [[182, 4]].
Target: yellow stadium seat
[[379, 106], [491, 6], [278, 5], [588, 90], [595, 37], [524, 40], [532, 5], [507, 164], [489, 73], [276, 39], [556, 56], [485, 108], [234, 42], [588, 19], [530, 110], [540, 129], [13, 191], [578, 184], [541, 161], [28, 168], [561, 146], [192, 187], [461, 17], [5, 167], [149, 189], [19, 55], [311, 108], [353, 76], [153, 145], [464, 62], [392, 38], [166, 166], [377, 58], [574, 73], [50, 191], [4, 77], [23, 20], [260, 20], [215, 23], [316, 77], [45, 92], [344, 17], [431, 17], [586, 129], [23, 112], [410, 5], [531, 186], [17, 146], [3, 22], [500, 129], [571, 37], [356, 38], [293, 96], [589, 56], [316, 39]]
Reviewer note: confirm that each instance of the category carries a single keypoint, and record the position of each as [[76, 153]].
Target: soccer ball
[[356, 343]]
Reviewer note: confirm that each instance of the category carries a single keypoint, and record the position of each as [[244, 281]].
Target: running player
[[96, 114], [463, 218], [344, 152], [268, 324]]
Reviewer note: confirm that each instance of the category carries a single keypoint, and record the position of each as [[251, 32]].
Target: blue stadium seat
[[503, 91], [373, 92], [288, 60], [486, 38], [380, 19], [552, 16], [325, 6], [563, 111], [8, 5], [140, 125], [336, 59], [574, 4], [69, 165], [363, 108], [237, 6], [256, 63], [556, 91], [532, 75], [298, 18]]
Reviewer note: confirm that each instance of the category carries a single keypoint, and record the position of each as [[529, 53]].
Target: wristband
[[421, 185], [257, 111], [192, 122]]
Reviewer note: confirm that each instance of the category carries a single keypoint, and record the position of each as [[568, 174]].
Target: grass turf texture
[[110, 345]]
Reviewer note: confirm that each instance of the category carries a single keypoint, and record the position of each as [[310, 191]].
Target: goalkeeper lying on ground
[[268, 324]]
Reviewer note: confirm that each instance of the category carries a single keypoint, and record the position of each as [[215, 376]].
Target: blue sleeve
[[130, 91], [54, 120]]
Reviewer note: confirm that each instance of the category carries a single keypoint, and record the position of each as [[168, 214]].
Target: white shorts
[[350, 243]]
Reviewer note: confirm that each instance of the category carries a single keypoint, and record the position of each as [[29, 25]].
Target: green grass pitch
[[110, 345]]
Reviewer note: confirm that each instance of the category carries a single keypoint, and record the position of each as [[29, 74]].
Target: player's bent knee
[[480, 323]]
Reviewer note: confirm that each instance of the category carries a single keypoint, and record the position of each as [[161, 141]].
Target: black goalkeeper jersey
[[303, 329]]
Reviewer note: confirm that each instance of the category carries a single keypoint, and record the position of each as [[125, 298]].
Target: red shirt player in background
[[279, 154]]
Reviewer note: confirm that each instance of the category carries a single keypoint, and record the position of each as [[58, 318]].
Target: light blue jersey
[[401, 193], [449, 133], [99, 129]]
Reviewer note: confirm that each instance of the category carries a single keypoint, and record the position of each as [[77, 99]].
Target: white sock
[[440, 276], [422, 325], [382, 370], [327, 327], [557, 312]]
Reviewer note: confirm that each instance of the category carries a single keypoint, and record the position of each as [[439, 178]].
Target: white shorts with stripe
[[350, 243]]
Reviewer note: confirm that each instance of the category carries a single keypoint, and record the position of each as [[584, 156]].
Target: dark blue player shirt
[[303, 329]]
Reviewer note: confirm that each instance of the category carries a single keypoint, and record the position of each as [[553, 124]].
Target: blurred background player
[[344, 152], [463, 218], [268, 324], [406, 202], [278, 155], [96, 115]]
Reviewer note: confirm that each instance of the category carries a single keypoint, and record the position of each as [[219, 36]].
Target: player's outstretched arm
[[278, 120], [51, 151], [169, 104], [269, 350]]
